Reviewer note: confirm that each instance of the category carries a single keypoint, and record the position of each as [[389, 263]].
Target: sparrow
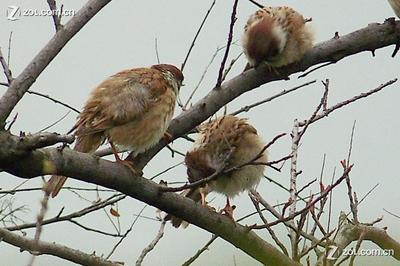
[[395, 4], [223, 144], [277, 36], [131, 109]]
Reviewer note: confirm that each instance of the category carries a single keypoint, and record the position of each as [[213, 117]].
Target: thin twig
[[330, 200], [200, 251], [305, 186], [56, 17], [348, 101], [166, 170], [54, 100], [229, 68], [316, 68], [310, 204], [270, 231], [248, 107], [6, 69], [94, 230], [126, 233], [152, 244], [228, 45], [9, 48], [156, 48], [58, 218], [391, 213], [257, 4], [353, 204], [202, 77], [197, 34], [55, 123]]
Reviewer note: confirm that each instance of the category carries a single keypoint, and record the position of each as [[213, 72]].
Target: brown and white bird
[[224, 143], [277, 36], [131, 109], [395, 4]]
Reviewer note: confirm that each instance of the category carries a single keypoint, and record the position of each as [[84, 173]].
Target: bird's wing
[[120, 99]]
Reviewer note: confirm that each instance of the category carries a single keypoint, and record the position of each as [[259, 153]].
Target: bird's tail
[[85, 143], [195, 195], [55, 184]]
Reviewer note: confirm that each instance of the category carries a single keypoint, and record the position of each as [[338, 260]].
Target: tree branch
[[89, 168], [24, 81], [372, 37], [53, 249]]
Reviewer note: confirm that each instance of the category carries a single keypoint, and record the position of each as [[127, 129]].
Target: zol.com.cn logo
[[13, 13]]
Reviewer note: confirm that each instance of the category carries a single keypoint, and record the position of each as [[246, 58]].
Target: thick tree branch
[[53, 249], [350, 232], [89, 168], [24, 81], [370, 38]]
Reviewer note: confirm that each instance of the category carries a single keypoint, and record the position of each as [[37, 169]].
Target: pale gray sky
[[122, 36]]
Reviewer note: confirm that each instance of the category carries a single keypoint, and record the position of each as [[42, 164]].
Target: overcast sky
[[123, 35]]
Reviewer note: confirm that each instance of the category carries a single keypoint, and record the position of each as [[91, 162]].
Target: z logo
[[13, 12], [331, 252]]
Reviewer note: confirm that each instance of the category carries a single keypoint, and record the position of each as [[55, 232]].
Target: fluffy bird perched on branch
[[223, 144], [277, 36], [395, 4], [131, 109]]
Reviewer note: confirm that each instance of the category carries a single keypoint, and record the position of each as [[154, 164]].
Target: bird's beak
[[178, 98]]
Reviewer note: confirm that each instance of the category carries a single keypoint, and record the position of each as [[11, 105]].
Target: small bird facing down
[[224, 143], [395, 4], [131, 109], [277, 36]]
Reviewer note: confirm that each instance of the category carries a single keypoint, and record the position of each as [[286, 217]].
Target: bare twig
[[228, 45], [200, 251], [229, 68], [166, 170], [197, 34], [6, 69], [56, 17], [296, 135], [257, 4], [58, 218], [270, 231], [93, 229], [53, 100], [14, 191], [248, 107], [9, 48], [64, 252], [310, 204], [202, 77], [55, 122], [391, 213], [346, 102], [290, 224], [10, 124], [305, 186], [316, 68], [353, 204], [126, 233], [156, 48], [151, 246]]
